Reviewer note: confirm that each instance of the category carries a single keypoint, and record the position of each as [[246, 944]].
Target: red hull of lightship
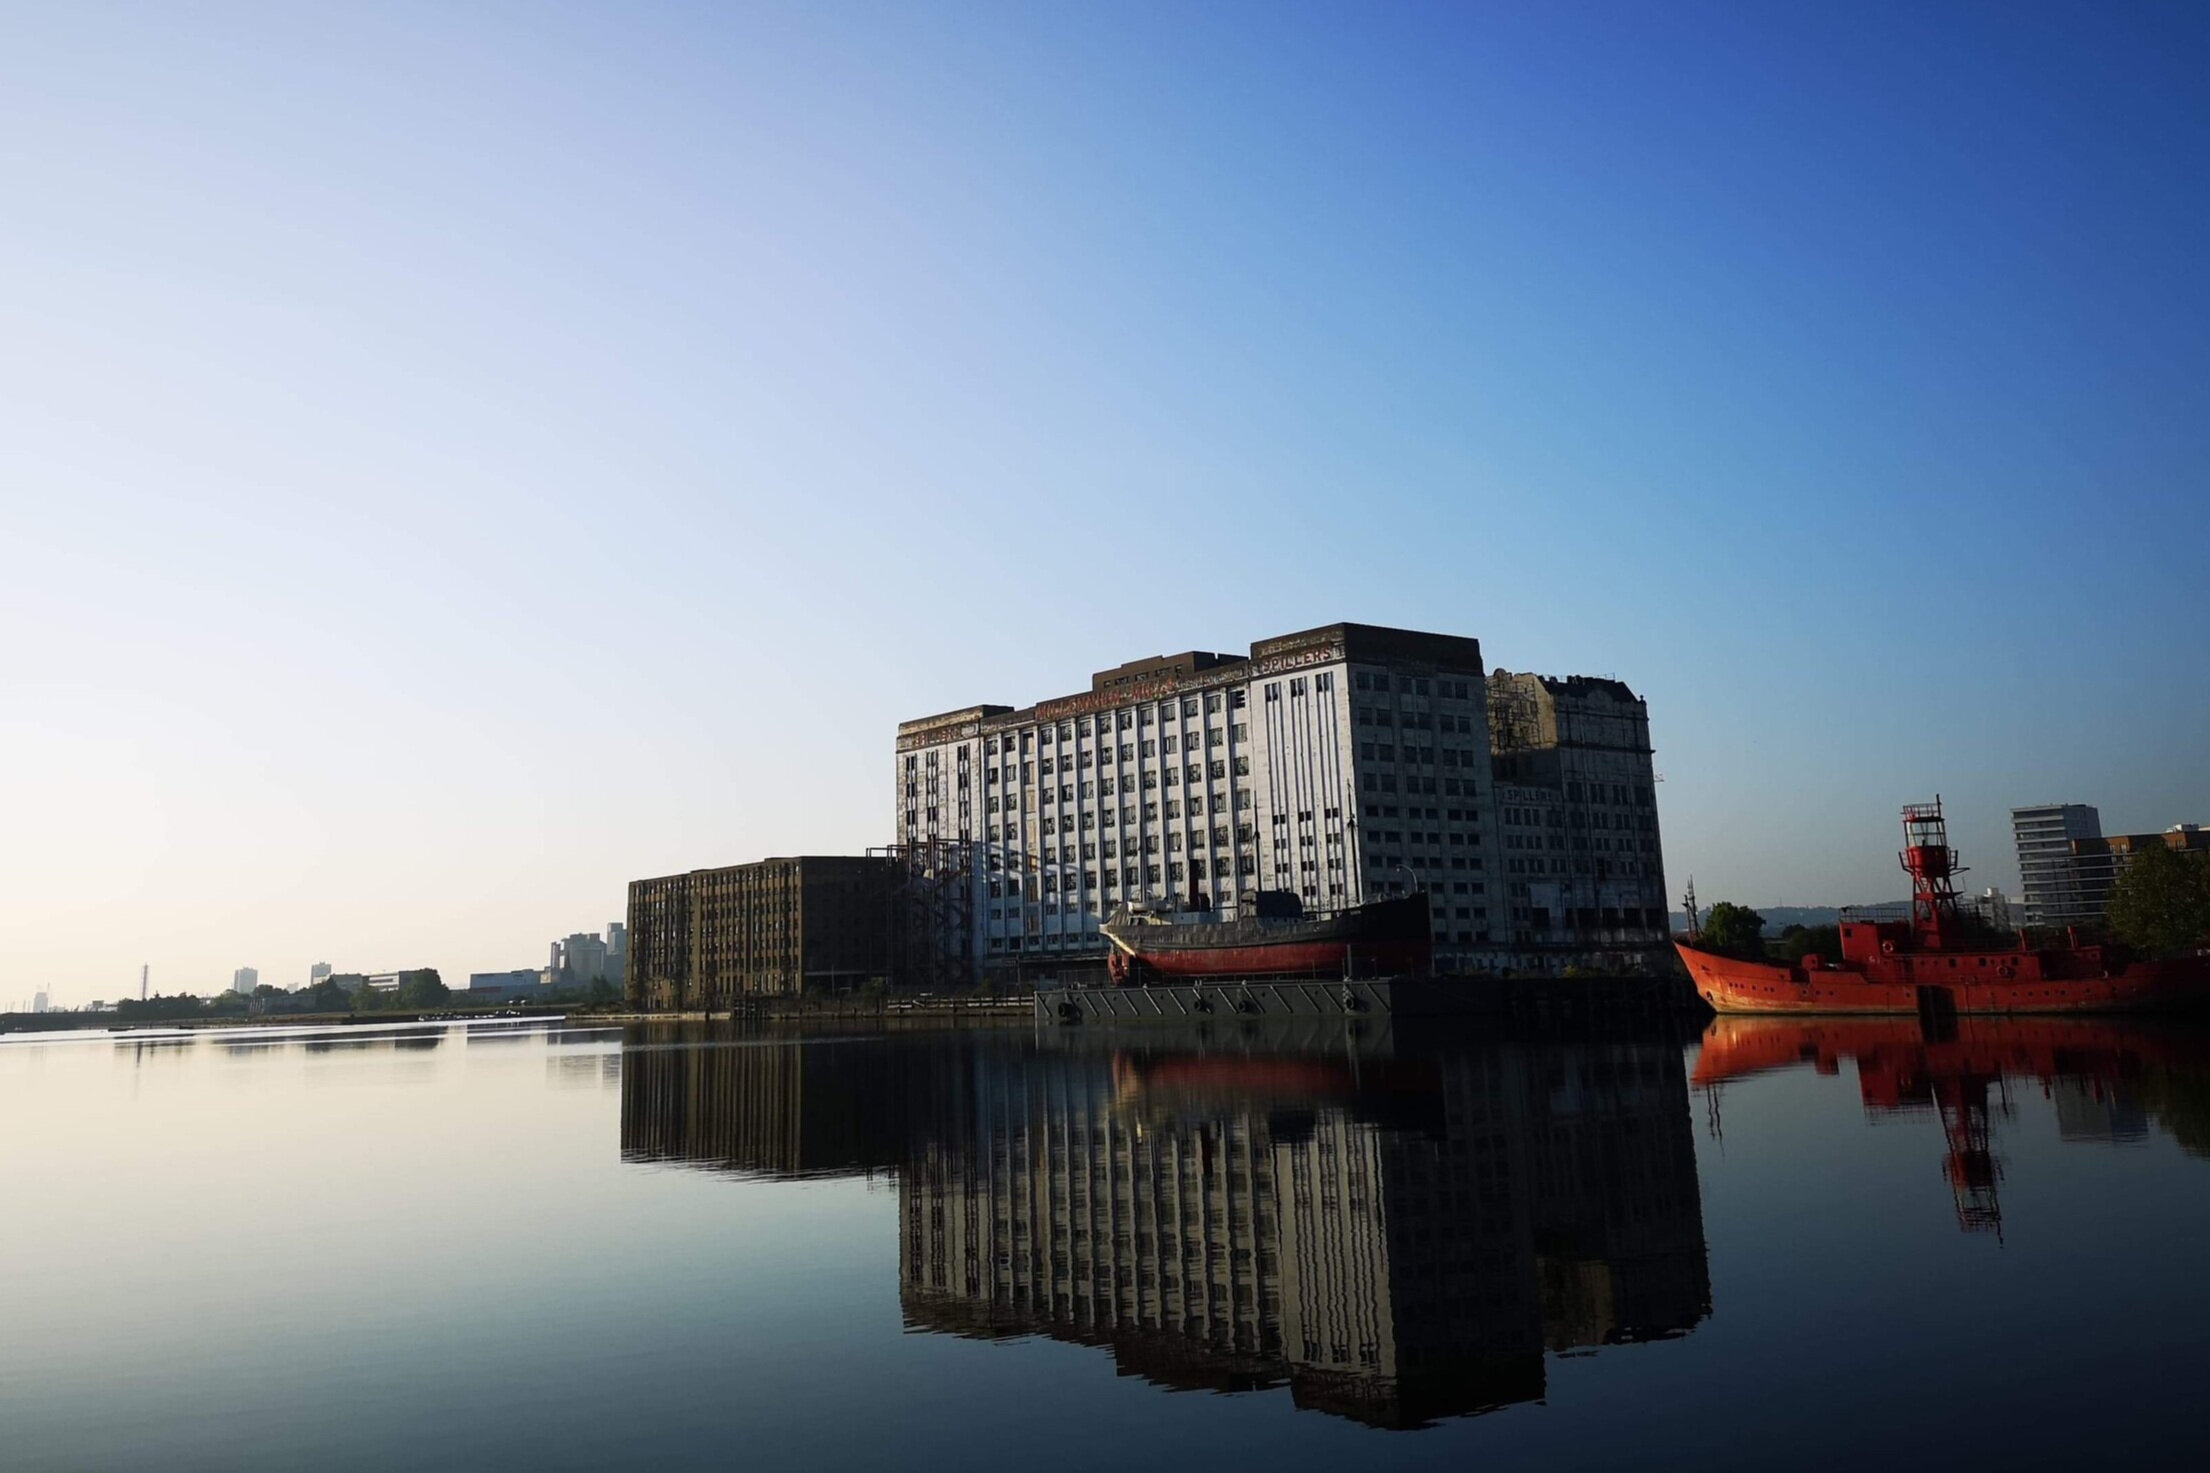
[[1936, 961], [2065, 980]]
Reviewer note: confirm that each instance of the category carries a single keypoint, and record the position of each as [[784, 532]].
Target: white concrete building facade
[[1339, 764], [2048, 872]]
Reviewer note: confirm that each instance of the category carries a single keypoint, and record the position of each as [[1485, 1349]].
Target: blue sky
[[454, 460]]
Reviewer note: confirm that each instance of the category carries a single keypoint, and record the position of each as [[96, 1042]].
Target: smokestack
[[142, 971]]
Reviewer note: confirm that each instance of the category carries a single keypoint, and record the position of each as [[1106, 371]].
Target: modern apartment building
[[1341, 764], [777, 927], [2047, 874]]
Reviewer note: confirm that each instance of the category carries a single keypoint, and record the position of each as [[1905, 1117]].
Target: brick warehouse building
[[1342, 763], [777, 927]]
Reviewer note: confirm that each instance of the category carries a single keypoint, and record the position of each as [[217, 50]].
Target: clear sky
[[457, 459]]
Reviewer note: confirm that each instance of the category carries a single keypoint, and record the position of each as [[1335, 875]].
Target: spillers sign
[[1317, 654], [1159, 690], [1322, 652]]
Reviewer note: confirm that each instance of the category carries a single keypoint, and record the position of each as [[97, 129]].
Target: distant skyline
[[453, 462]]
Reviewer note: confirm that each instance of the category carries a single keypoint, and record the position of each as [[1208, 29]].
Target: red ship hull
[[2076, 980], [1382, 938]]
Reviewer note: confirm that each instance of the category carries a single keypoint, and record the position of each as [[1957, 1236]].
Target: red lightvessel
[[1935, 963]]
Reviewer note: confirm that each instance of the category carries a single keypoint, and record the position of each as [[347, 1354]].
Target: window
[[1296, 687], [1166, 745], [1212, 702], [1273, 690], [1189, 707]]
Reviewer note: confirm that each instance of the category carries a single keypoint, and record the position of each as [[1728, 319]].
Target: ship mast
[[1933, 868]]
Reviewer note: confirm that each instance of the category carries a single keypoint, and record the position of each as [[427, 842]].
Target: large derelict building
[[777, 927], [1341, 764]]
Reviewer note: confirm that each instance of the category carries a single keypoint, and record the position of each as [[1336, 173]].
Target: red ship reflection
[[2104, 1075]]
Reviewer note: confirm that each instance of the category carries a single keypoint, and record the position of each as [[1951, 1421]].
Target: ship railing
[[1885, 911]]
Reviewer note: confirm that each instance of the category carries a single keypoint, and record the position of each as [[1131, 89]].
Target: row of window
[[1387, 782], [1324, 681], [1415, 720], [1414, 685], [1124, 719]]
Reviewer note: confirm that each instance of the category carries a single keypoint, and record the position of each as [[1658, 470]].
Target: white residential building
[[2048, 873], [1339, 764]]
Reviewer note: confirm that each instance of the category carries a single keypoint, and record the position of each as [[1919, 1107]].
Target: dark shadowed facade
[[775, 928]]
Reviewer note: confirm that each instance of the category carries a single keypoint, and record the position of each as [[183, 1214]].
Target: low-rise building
[[776, 927], [2098, 862], [521, 984]]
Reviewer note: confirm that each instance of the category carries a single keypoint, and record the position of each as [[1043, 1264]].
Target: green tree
[[2161, 900], [1799, 941], [603, 993], [329, 996], [424, 989], [1735, 930]]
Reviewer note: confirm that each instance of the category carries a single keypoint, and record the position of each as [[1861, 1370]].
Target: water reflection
[[1396, 1236], [2106, 1078]]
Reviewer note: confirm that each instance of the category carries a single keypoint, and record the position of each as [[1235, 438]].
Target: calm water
[[553, 1247]]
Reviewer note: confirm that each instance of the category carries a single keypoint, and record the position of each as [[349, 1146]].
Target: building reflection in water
[[1395, 1239], [1396, 1242], [2106, 1078]]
